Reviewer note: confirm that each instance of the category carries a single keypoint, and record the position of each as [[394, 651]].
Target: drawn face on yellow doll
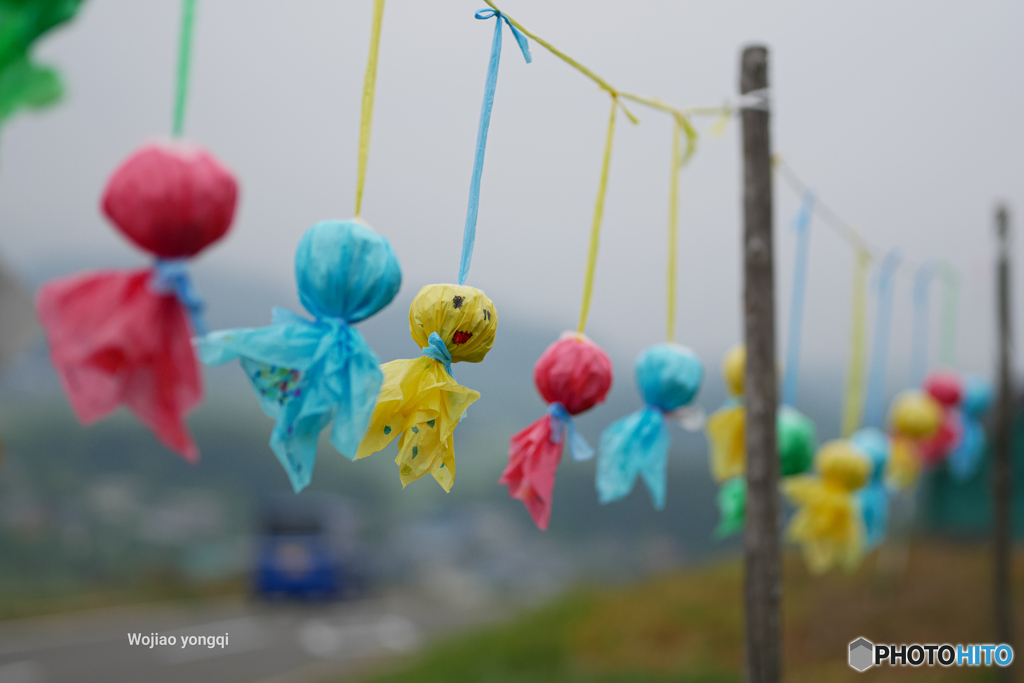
[[463, 317]]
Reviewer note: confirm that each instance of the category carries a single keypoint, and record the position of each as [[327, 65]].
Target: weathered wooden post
[[762, 555], [1003, 446]]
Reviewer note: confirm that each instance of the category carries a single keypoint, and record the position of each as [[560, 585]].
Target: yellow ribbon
[[673, 232], [595, 229], [369, 89], [679, 158], [853, 404]]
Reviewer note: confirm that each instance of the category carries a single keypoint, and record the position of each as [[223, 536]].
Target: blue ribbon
[[919, 345], [801, 226], [438, 351], [562, 420], [171, 277], [874, 401], [469, 235]]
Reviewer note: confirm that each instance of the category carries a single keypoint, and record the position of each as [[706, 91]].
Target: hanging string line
[[923, 275], [188, 11], [950, 306], [616, 94], [682, 121], [874, 401], [369, 90], [595, 230], [469, 233], [853, 404], [919, 335], [802, 227], [828, 217]]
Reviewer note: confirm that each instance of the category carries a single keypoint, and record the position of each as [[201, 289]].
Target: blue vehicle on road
[[307, 548]]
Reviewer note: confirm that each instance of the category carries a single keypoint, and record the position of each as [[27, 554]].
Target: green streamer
[[188, 10]]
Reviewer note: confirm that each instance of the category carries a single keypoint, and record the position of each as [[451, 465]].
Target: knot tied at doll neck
[[561, 421], [170, 276], [437, 350]]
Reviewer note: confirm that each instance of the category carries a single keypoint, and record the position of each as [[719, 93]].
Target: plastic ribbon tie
[[438, 351], [561, 421], [950, 303], [595, 230], [284, 316], [369, 89], [171, 277], [919, 340], [469, 234], [801, 226], [679, 158], [853, 404], [759, 100], [874, 401], [184, 58]]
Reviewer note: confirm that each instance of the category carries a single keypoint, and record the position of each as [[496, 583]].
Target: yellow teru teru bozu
[[828, 523], [420, 401], [726, 427], [914, 417]]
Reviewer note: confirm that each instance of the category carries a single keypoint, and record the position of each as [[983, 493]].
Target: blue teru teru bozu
[[669, 377], [307, 373], [966, 458], [873, 498]]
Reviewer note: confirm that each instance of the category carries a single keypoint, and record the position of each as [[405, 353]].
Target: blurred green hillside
[[686, 627]]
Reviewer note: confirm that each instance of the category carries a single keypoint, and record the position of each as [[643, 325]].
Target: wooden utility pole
[[762, 555], [1003, 446]]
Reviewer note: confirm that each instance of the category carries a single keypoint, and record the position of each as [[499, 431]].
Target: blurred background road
[[293, 642]]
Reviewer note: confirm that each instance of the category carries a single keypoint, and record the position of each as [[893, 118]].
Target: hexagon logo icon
[[862, 654]]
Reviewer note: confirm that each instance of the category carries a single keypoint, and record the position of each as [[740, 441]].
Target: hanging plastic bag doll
[[914, 417], [123, 337], [668, 377], [947, 390], [572, 375], [308, 373], [726, 431], [874, 497], [420, 401], [966, 457], [828, 524]]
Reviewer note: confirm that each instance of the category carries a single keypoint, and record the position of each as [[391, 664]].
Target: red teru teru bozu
[[122, 337], [572, 375]]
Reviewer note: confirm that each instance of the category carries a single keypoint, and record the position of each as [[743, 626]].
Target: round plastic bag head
[[875, 446], [841, 463], [345, 270], [915, 414], [944, 387], [668, 376], [734, 369], [462, 316], [575, 372], [796, 441], [171, 200], [978, 397], [947, 437]]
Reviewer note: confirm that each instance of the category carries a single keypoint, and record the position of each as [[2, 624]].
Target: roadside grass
[[687, 627]]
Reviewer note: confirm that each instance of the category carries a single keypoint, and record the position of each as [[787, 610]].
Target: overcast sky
[[905, 117]]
